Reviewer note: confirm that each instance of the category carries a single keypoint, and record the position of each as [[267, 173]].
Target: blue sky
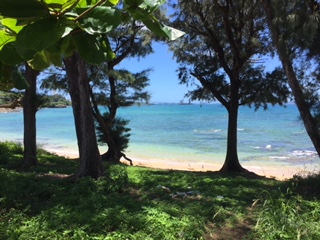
[[164, 83]]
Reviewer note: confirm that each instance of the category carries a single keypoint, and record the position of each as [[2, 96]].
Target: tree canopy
[[223, 41], [43, 32]]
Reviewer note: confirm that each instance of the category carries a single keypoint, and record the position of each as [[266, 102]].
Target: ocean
[[184, 133]]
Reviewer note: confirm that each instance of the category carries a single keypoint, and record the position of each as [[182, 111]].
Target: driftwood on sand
[[12, 105]]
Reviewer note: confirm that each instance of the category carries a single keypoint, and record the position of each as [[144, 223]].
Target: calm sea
[[184, 133]]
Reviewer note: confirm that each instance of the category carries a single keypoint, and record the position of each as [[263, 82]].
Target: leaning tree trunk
[[29, 118], [90, 161], [113, 153], [308, 120], [105, 126], [232, 163]]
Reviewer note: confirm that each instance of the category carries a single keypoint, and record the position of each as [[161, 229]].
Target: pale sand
[[279, 172], [7, 110]]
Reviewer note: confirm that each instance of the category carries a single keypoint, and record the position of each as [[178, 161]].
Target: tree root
[[126, 158]]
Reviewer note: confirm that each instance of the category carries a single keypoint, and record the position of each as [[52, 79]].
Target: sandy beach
[[279, 172], [282, 173]]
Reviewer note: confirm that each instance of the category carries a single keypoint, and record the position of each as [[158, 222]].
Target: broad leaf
[[11, 77], [111, 3], [5, 38], [162, 30], [44, 33], [60, 46], [100, 20], [11, 24], [133, 3], [6, 82], [25, 52], [171, 33], [90, 48], [142, 9], [151, 5], [86, 3], [9, 55], [39, 61], [148, 6], [54, 58], [71, 47], [22, 9], [110, 54], [60, 5], [19, 80]]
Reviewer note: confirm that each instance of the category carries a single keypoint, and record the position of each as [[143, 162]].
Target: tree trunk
[[308, 120], [111, 155], [29, 118], [231, 163], [90, 161]]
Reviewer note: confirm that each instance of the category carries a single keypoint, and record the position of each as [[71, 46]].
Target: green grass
[[135, 203]]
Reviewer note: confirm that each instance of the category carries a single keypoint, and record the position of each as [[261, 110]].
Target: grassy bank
[[141, 203]]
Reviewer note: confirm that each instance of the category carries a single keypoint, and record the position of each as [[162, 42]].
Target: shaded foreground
[[143, 203]]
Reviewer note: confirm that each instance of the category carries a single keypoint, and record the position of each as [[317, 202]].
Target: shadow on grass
[[131, 203]]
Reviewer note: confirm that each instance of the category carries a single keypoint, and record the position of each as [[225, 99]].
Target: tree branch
[[216, 93], [215, 44], [89, 10]]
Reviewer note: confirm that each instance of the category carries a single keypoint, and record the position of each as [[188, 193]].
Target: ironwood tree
[[116, 88], [220, 52], [294, 28]]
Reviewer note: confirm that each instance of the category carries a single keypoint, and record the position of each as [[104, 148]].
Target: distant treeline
[[50, 101]]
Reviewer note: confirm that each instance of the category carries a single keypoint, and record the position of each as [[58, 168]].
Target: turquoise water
[[184, 133]]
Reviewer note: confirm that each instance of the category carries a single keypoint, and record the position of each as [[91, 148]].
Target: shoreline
[[9, 110], [279, 172]]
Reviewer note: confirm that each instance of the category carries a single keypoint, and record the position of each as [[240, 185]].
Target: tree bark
[[29, 119], [90, 160], [308, 120], [232, 163]]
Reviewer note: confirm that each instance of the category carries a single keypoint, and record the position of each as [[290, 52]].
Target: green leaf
[[100, 20], [60, 46], [25, 52], [11, 24], [6, 82], [133, 3], [19, 80], [110, 54], [60, 5], [71, 47], [44, 33], [11, 77], [9, 55], [22, 9], [172, 33], [39, 61], [86, 3], [162, 30], [143, 8], [151, 5], [5, 38], [111, 3], [54, 58], [90, 48]]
